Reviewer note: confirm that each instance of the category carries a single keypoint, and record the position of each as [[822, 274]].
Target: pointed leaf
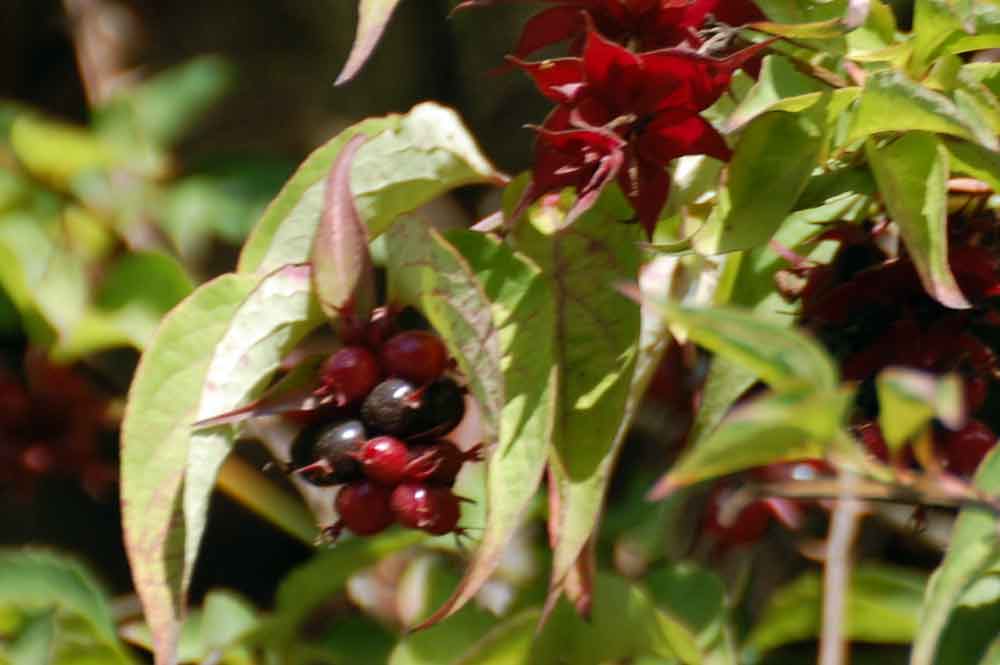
[[415, 158], [912, 176], [373, 16], [523, 309], [783, 358], [595, 338], [279, 312], [774, 428], [891, 102], [342, 265], [155, 437], [974, 546]]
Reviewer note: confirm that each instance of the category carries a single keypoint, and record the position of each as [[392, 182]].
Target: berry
[[364, 508], [425, 507], [326, 454], [350, 374], [415, 355], [384, 459], [439, 462], [871, 436], [965, 449], [442, 407], [391, 407]]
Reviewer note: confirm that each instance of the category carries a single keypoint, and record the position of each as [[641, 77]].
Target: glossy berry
[[415, 355], [439, 462], [350, 374], [426, 507], [965, 449], [326, 454], [442, 407], [364, 508], [391, 407], [384, 459]]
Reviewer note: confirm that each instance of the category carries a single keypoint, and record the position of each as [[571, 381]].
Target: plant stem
[[837, 571]]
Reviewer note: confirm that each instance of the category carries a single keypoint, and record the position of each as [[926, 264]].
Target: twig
[[837, 571]]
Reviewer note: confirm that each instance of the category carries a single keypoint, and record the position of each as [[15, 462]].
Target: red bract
[[625, 116], [643, 24]]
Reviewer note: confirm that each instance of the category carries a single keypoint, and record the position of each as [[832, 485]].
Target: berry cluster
[[624, 112], [394, 403]]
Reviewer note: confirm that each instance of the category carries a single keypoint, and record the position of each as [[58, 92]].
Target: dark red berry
[[440, 461], [965, 449], [384, 459], [326, 454], [364, 508], [415, 355], [871, 436], [350, 374], [426, 507], [391, 407], [441, 409]]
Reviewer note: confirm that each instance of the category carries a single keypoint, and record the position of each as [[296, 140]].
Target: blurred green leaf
[[35, 644], [155, 440], [912, 177], [696, 598], [57, 152], [413, 159], [42, 580], [973, 548], [909, 399], [509, 643], [779, 79], [166, 106], [883, 604], [976, 161]]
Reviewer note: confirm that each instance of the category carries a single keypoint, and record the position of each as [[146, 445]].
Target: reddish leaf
[[373, 16]]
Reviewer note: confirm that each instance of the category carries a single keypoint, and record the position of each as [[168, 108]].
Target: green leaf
[[164, 107], [764, 183], [785, 359], [973, 548], [343, 273], [595, 348], [424, 586], [35, 645], [975, 161], [891, 102], [696, 598], [909, 399], [883, 605], [155, 439], [779, 80], [415, 158], [624, 624], [429, 273], [934, 23], [309, 586], [818, 30], [57, 152], [774, 428], [373, 16], [523, 312], [509, 643], [272, 320], [41, 580], [912, 176]]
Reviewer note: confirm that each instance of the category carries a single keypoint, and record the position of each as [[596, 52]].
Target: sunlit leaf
[[912, 177], [909, 400]]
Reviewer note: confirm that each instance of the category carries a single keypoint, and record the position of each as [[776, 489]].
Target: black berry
[[327, 454], [391, 407], [442, 407]]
